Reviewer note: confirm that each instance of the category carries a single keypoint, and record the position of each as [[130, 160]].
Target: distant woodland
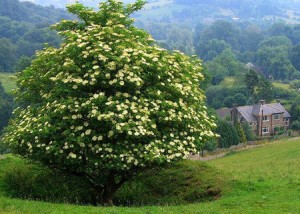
[[24, 28], [234, 41]]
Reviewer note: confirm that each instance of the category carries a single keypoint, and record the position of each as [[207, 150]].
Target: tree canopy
[[108, 102]]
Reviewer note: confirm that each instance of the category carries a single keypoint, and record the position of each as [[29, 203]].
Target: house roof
[[246, 112], [222, 113], [268, 109], [250, 112], [279, 106]]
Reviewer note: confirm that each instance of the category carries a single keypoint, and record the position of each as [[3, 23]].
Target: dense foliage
[[5, 108], [108, 102]]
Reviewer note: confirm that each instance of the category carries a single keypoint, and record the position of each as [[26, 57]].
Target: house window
[[265, 130], [276, 116], [265, 118], [251, 126], [286, 122]]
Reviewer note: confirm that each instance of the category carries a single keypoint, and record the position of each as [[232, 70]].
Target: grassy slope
[[231, 81], [266, 179], [7, 81], [281, 85], [228, 82], [263, 180]]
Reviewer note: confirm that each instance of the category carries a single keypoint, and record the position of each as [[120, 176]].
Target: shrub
[[29, 181], [296, 125], [248, 132], [179, 183], [240, 131]]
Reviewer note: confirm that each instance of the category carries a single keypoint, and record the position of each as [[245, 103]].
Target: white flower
[[88, 132], [110, 133], [72, 155], [153, 126]]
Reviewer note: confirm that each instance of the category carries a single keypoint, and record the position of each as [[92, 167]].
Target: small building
[[263, 119]]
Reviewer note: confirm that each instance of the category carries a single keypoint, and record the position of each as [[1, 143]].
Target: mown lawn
[[261, 180], [7, 82]]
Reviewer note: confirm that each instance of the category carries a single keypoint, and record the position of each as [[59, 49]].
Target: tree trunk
[[109, 191]]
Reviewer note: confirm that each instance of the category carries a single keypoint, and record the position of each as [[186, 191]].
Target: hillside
[[62, 3], [206, 11], [193, 11], [30, 12], [24, 28], [261, 180]]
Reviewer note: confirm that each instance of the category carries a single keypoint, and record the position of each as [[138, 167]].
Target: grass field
[[281, 85], [262, 180], [228, 82], [7, 82]]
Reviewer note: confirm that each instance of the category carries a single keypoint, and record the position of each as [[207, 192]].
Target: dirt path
[[225, 152], [222, 154]]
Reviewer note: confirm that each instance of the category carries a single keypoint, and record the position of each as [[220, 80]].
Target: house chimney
[[234, 113], [262, 102]]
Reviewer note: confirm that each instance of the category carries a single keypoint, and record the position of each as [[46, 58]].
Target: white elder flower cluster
[[108, 99]]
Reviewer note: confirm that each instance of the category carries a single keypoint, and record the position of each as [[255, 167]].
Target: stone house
[[262, 118]]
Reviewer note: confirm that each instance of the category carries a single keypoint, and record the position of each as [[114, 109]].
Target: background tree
[[248, 132], [228, 134], [108, 103], [22, 63], [240, 131], [207, 50], [5, 108], [274, 58], [251, 81], [222, 30], [264, 90], [7, 55], [295, 56]]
